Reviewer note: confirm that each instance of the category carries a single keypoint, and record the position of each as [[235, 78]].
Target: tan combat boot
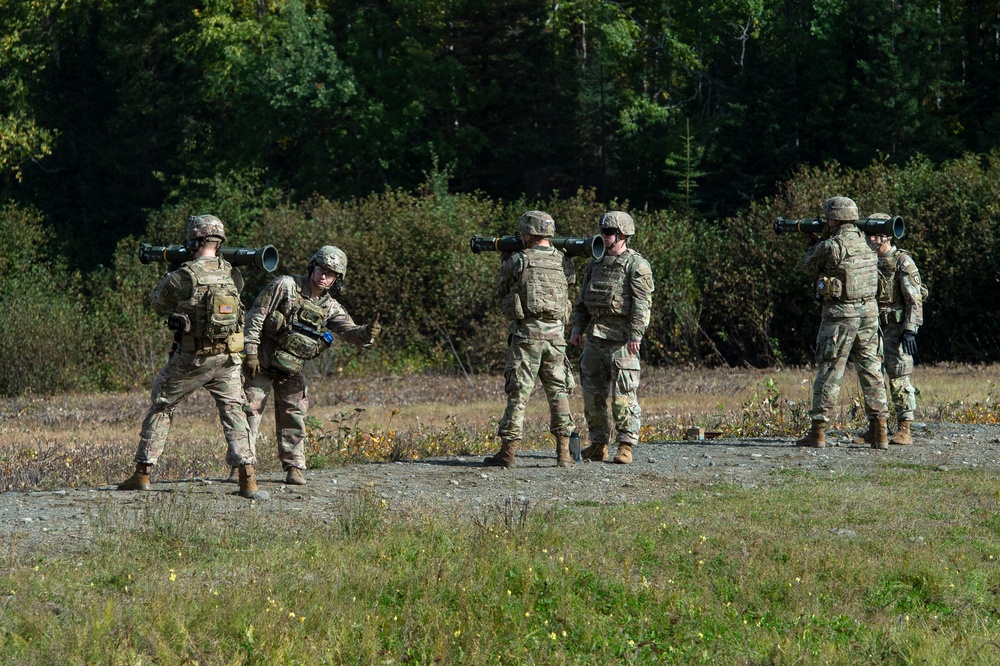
[[563, 457], [903, 435], [139, 479], [248, 484], [816, 437], [624, 455], [505, 456], [595, 452], [294, 477], [865, 437], [880, 440]]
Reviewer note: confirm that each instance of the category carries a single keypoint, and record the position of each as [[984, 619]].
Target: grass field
[[896, 567]]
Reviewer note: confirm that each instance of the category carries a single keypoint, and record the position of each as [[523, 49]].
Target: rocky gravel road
[[69, 519]]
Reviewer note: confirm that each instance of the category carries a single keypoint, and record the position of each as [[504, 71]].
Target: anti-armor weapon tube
[[592, 247], [264, 258], [870, 226], [876, 226]]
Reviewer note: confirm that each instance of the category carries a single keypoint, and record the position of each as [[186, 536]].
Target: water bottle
[[574, 446]]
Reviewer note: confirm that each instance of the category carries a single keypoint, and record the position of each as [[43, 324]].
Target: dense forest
[[704, 118]]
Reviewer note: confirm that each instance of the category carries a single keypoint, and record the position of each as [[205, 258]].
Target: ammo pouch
[[829, 289], [510, 306], [294, 349], [234, 343]]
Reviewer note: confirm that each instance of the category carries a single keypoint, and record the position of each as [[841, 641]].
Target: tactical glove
[[908, 343], [251, 365], [179, 322], [372, 329]]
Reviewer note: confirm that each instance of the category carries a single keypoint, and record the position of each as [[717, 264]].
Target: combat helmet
[[202, 227], [537, 223], [331, 258], [616, 219], [841, 209]]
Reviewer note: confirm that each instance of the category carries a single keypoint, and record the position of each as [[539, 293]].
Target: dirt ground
[[67, 520]]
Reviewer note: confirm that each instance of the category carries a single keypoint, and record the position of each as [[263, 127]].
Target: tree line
[[110, 109]]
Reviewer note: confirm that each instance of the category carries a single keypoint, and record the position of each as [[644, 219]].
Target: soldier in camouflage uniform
[[293, 321], [847, 279], [533, 289], [613, 310], [901, 312], [202, 302]]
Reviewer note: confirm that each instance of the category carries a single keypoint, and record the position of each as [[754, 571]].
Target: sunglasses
[[608, 232]]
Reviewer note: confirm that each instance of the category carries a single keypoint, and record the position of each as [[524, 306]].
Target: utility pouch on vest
[[223, 314], [829, 289], [511, 307], [274, 323], [234, 343], [285, 362]]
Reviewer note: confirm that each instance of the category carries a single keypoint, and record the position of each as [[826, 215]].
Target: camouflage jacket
[[512, 280], [176, 286], [616, 298], [900, 292], [847, 257], [280, 295]]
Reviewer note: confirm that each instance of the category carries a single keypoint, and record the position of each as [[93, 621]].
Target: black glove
[[179, 322], [908, 343]]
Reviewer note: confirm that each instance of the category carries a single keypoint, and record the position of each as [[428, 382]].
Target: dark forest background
[[396, 129]]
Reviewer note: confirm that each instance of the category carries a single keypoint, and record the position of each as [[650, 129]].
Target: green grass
[[897, 568]]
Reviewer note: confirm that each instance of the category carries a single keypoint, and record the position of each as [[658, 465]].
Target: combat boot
[[248, 484], [865, 437], [139, 479], [505, 456], [816, 438], [294, 477], [624, 455], [595, 452], [880, 440], [903, 435], [563, 457]]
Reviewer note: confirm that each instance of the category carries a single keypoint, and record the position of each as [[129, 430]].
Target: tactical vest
[[542, 286], [301, 336], [608, 292], [858, 271], [214, 308], [888, 289]]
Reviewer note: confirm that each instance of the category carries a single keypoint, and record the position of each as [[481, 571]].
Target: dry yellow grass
[[102, 429]]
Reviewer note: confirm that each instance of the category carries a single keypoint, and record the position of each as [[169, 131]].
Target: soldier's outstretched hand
[[372, 329]]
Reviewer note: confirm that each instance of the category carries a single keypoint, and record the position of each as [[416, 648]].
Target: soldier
[[901, 312], [533, 289], [613, 310], [293, 321], [202, 302], [847, 274]]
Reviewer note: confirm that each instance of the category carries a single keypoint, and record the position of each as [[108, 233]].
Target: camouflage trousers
[[898, 370], [220, 375], [608, 370], [545, 359], [291, 402], [854, 339]]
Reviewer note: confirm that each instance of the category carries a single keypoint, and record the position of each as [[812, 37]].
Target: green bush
[[45, 346]]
